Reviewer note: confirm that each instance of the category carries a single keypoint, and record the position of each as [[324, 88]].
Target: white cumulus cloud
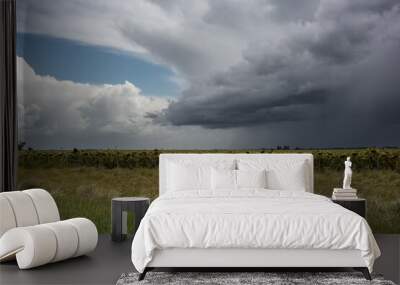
[[52, 107]]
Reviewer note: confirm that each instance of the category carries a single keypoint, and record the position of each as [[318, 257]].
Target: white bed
[[249, 227]]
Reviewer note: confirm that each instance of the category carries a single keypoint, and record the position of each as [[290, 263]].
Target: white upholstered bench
[[31, 231]]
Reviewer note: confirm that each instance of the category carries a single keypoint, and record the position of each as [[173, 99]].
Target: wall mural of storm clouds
[[209, 74]]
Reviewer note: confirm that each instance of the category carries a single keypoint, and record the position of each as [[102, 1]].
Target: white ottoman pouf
[[31, 232]]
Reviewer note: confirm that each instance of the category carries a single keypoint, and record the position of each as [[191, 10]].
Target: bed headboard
[[164, 158]]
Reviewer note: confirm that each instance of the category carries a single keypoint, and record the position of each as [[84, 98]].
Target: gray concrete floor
[[389, 262], [110, 260], [103, 266]]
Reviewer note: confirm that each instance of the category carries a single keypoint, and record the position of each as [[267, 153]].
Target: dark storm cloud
[[234, 110], [307, 71], [253, 73]]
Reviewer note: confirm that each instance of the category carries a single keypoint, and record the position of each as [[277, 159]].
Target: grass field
[[87, 191]]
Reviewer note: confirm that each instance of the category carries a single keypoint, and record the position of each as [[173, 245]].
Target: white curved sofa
[[31, 231]]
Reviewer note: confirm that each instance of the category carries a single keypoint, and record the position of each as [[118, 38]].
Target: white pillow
[[223, 179], [188, 177], [281, 174], [251, 178], [292, 178]]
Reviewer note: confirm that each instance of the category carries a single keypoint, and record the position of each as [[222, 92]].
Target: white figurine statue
[[347, 174]]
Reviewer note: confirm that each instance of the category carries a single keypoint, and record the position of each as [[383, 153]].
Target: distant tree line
[[323, 159]]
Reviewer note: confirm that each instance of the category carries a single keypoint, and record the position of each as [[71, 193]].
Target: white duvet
[[250, 219]]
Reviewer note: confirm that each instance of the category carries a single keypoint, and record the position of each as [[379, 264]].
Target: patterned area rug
[[229, 278]]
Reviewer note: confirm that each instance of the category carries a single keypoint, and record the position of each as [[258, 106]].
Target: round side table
[[119, 208]]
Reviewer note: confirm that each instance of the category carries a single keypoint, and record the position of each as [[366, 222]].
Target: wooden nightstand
[[358, 206]]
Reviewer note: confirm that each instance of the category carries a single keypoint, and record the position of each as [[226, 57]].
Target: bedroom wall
[[105, 86]]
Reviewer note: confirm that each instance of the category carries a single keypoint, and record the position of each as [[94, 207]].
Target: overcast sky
[[209, 74]]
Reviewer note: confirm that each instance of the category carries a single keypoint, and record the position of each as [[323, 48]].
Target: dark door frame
[[8, 96]]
